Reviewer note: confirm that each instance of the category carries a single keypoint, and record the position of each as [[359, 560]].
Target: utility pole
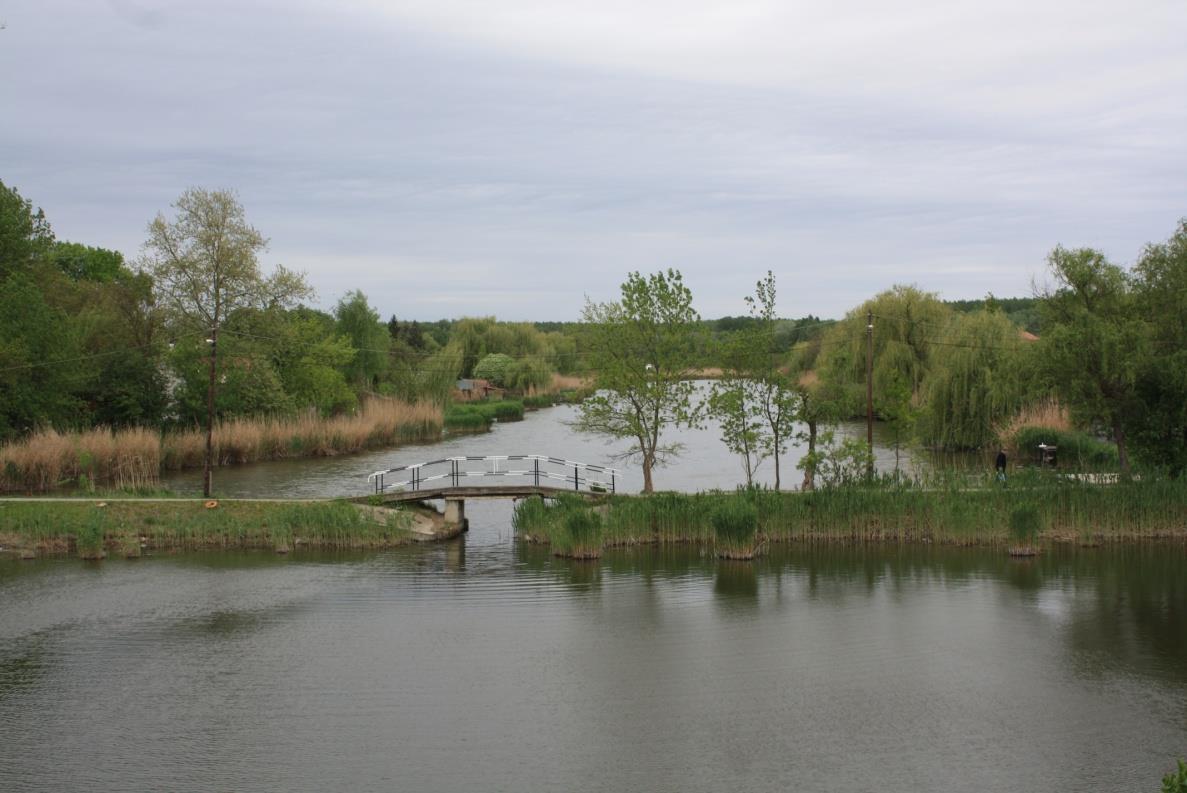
[[870, 392], [208, 466]]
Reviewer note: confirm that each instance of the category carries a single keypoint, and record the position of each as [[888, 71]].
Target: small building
[[475, 389]]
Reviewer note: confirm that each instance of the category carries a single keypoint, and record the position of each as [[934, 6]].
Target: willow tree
[[975, 383], [641, 351], [905, 320], [204, 268]]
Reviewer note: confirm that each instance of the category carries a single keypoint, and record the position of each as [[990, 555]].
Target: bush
[[1176, 781], [1073, 449]]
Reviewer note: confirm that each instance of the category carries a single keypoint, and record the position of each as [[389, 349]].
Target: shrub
[[1176, 781], [735, 522], [1073, 449]]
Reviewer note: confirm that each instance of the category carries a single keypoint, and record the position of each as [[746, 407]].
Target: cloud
[[473, 157]]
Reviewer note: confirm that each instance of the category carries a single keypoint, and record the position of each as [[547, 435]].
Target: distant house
[[473, 389]]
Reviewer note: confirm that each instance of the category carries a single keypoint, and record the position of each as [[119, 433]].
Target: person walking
[[1000, 466]]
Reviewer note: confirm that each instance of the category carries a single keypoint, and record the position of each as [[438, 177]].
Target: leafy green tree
[[42, 364], [25, 235], [733, 402], [495, 368], [85, 263], [818, 404], [1159, 426], [204, 268], [1093, 342], [755, 401], [640, 348], [359, 323]]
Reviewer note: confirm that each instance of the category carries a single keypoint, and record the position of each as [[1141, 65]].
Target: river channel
[[486, 664]]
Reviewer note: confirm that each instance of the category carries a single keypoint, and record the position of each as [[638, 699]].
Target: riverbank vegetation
[[134, 457], [88, 341], [1102, 381], [128, 527], [1038, 508]]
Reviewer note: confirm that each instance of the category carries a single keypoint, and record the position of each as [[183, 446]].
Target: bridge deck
[[477, 492]]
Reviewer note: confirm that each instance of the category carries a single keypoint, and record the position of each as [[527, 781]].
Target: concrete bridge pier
[[455, 514]]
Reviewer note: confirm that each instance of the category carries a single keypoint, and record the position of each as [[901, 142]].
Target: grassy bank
[[91, 528], [134, 458], [1066, 512]]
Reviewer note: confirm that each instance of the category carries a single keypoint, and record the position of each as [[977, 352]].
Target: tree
[[975, 383], [754, 400], [640, 348], [25, 235], [732, 402], [1159, 429], [494, 367], [86, 263], [358, 322], [41, 358], [1093, 341], [204, 267]]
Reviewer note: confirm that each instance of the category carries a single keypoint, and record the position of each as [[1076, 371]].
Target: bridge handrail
[[456, 472]]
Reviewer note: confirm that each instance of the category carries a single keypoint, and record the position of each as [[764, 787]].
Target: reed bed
[[126, 459], [92, 528], [1067, 511], [380, 422], [132, 459]]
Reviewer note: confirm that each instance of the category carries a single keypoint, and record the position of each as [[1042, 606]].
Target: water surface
[[485, 664]]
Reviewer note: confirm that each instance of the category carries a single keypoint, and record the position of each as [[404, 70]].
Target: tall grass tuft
[[1025, 524], [580, 534], [735, 524]]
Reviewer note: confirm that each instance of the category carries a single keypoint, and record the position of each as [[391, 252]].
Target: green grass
[[86, 527], [477, 416], [956, 513]]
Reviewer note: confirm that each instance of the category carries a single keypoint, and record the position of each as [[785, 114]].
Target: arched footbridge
[[458, 479]]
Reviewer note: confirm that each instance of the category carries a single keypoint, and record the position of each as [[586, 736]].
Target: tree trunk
[[775, 438], [810, 468], [647, 486], [1122, 451], [208, 466]]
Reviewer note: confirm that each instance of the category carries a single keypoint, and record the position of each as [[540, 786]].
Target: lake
[[487, 664]]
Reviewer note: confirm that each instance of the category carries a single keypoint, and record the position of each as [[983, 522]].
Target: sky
[[517, 158]]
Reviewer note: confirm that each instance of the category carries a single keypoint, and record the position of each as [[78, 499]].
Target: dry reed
[[129, 458], [380, 422], [133, 458], [1046, 413]]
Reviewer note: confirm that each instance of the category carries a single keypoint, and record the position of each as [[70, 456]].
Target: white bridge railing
[[463, 471]]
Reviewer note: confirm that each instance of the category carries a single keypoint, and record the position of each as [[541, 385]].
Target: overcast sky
[[511, 157]]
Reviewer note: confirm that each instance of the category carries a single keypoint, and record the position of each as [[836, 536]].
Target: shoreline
[[96, 528]]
